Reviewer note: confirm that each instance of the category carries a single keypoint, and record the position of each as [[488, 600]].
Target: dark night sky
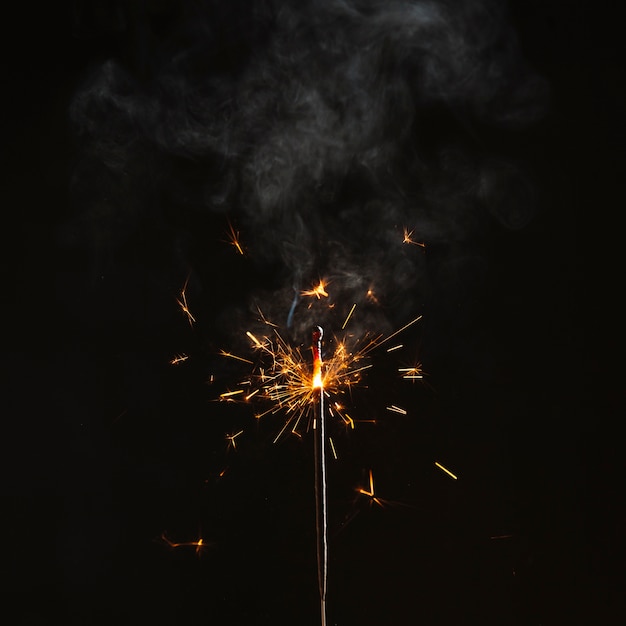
[[107, 446]]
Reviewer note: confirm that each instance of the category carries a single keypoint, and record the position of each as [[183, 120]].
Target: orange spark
[[199, 544], [318, 291], [231, 439], [408, 238], [233, 239], [179, 358], [234, 356], [182, 303], [370, 493]]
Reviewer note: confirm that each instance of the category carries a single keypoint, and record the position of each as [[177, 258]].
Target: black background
[[106, 446]]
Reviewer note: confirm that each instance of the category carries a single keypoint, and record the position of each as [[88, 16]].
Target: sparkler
[[305, 395], [319, 428]]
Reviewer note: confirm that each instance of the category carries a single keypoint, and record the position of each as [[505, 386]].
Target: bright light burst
[[283, 380]]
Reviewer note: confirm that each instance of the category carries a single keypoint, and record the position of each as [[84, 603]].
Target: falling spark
[[408, 238], [447, 471], [182, 303], [179, 358], [318, 291]]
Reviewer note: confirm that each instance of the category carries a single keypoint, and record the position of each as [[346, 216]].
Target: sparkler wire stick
[[319, 449]]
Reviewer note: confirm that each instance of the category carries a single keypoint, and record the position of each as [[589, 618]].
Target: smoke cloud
[[323, 129]]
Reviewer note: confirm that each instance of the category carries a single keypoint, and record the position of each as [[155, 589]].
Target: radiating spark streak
[[332, 447], [501, 537], [229, 394], [396, 409], [234, 356], [408, 238], [179, 358], [251, 395], [265, 320], [349, 316], [231, 439], [317, 291], [182, 303], [233, 239], [397, 332], [447, 471], [256, 342], [395, 348]]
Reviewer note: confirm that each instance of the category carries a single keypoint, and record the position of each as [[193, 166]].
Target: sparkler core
[[316, 347]]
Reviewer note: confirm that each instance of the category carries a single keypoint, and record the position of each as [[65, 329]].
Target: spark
[[412, 373], [396, 409], [182, 303], [408, 238], [229, 394], [447, 471], [372, 296], [317, 291], [179, 358], [332, 447], [395, 348], [501, 537], [199, 543], [233, 239], [349, 316], [371, 493], [231, 440], [256, 342], [234, 356]]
